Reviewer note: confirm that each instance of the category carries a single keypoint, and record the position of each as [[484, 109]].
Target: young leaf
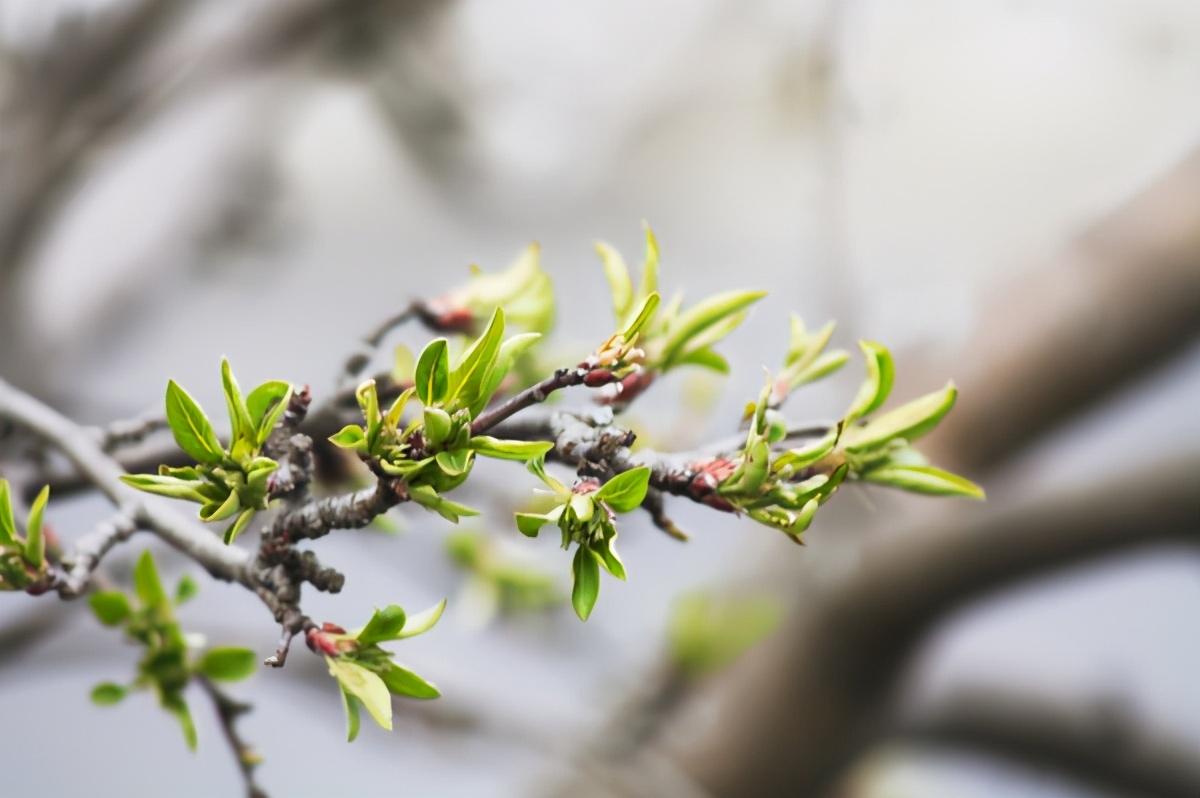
[[881, 373], [428, 498], [433, 372], [909, 421], [510, 350], [8, 526], [606, 550], [455, 462], [587, 582], [35, 541], [265, 404], [146, 584], [702, 316], [185, 589], [626, 490], [350, 437], [106, 694], [644, 314], [227, 664], [423, 621], [191, 428], [350, 704], [705, 358], [437, 425], [523, 451], [804, 456], [364, 685], [239, 525], [401, 681], [385, 624], [227, 507], [529, 524], [175, 488], [177, 707], [650, 263], [466, 381], [110, 607], [924, 479], [239, 417], [617, 274]]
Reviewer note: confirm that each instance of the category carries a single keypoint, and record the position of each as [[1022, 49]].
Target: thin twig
[[228, 711]]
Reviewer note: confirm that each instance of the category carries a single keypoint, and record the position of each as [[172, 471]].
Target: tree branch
[[228, 711]]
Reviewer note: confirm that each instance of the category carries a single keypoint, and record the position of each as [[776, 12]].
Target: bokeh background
[[1005, 192]]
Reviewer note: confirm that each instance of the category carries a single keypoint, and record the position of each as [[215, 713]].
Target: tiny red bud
[[597, 377], [332, 628], [321, 643]]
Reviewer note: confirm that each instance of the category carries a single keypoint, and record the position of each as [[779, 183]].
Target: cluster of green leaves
[[785, 489], [227, 482], [365, 671], [672, 336], [22, 558], [761, 484], [499, 584], [705, 633], [435, 451], [168, 664], [878, 448], [806, 360], [586, 515], [523, 289]]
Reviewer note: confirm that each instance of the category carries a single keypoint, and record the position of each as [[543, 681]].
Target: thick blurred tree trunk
[[1121, 298]]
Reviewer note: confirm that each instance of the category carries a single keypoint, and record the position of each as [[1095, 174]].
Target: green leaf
[[606, 550], [8, 526], [106, 694], [385, 624], [650, 263], [35, 541], [219, 511], [705, 358], [455, 462], [626, 490], [267, 407], [822, 367], [702, 316], [350, 437], [227, 664], [239, 525], [423, 621], [428, 498], [583, 507], [350, 704], [110, 607], [433, 372], [437, 425], [749, 476], [364, 685], [881, 373], [395, 413], [529, 524], [924, 479], [177, 707], [173, 487], [802, 457], [644, 314], [587, 582], [909, 421], [146, 584], [510, 350], [467, 379], [185, 589], [191, 428], [239, 417], [619, 283], [401, 681], [523, 451]]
